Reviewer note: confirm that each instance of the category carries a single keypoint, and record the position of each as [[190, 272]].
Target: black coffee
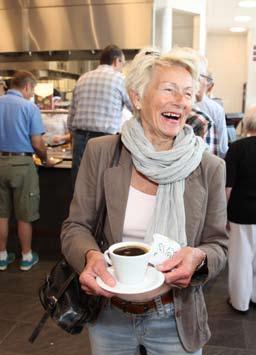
[[130, 251]]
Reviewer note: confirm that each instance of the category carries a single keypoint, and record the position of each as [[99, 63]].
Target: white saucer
[[153, 280]]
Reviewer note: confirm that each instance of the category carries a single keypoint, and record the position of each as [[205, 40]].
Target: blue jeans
[[79, 141], [119, 333]]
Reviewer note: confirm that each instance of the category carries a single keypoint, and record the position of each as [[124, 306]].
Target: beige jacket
[[205, 206]]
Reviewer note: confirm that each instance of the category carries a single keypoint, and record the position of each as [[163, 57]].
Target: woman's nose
[[179, 96]]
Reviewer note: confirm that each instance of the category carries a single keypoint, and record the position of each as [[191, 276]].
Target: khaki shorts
[[19, 188]]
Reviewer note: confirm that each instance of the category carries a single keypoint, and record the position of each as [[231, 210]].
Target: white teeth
[[171, 115]]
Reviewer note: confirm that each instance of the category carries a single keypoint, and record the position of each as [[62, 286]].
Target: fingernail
[[111, 282]]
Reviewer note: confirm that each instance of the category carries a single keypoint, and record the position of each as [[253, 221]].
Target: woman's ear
[[136, 100]]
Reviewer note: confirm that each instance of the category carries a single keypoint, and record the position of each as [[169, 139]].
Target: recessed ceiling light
[[242, 18], [247, 3], [237, 29]]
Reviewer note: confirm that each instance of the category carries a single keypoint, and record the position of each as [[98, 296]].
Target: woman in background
[[241, 196]]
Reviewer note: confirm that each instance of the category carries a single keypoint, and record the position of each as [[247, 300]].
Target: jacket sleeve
[[76, 234], [214, 238]]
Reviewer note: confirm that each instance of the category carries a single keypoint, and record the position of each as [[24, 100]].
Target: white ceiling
[[220, 15]]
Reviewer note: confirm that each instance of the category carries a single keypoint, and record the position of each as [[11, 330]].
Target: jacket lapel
[[116, 185]]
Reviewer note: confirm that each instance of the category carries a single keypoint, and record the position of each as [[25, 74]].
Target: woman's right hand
[[96, 266]]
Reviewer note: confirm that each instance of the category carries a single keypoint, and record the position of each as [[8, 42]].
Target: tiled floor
[[232, 333]]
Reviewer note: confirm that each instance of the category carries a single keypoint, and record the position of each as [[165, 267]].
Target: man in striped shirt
[[97, 103]]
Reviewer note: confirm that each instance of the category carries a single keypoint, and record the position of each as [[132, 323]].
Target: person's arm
[[181, 269], [222, 132], [36, 138], [61, 138], [232, 167], [76, 235], [228, 192], [40, 150], [127, 102], [125, 98], [72, 111], [77, 241], [95, 266]]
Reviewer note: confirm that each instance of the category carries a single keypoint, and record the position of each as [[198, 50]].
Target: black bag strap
[[100, 239], [53, 302], [38, 327]]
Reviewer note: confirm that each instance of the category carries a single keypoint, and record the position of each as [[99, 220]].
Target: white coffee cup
[[129, 269]]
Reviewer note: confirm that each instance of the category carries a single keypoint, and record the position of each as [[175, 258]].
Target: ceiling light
[[242, 18], [237, 29], [247, 3]]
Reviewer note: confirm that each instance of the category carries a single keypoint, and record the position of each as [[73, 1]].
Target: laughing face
[[166, 102]]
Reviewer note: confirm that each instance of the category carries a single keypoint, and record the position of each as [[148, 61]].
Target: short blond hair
[[141, 68]]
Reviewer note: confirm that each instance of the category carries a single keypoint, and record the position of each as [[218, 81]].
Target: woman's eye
[[188, 95]]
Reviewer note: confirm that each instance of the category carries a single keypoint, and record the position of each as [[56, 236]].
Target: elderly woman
[[241, 193], [165, 182]]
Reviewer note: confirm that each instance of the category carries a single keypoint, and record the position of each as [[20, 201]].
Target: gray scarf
[[169, 170]]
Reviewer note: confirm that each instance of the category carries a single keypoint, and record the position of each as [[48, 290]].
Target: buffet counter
[[55, 198], [62, 153]]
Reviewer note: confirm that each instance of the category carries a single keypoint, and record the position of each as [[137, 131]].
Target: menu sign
[[44, 96]]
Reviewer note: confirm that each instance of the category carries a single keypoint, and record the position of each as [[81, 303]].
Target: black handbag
[[61, 295]]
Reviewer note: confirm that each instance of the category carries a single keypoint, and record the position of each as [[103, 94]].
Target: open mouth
[[171, 115]]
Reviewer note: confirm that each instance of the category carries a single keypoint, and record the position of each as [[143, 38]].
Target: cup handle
[[107, 258]]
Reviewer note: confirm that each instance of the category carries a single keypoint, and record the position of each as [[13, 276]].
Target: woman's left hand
[[180, 268]]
